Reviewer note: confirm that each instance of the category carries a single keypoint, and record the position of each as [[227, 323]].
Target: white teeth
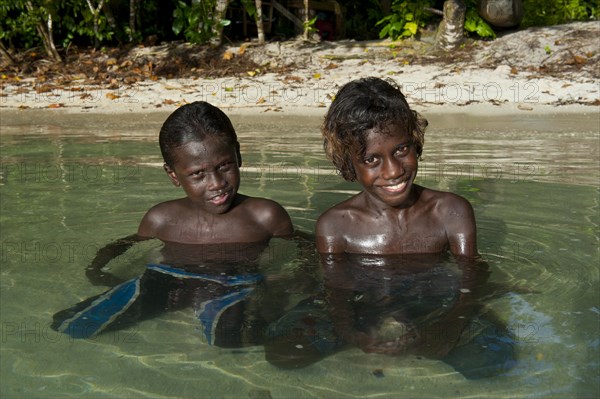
[[395, 187]]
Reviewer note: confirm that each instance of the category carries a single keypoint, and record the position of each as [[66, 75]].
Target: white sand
[[505, 76]]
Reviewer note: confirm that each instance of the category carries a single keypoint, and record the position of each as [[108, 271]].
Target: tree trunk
[[306, 20], [110, 18], [5, 53], [50, 39], [133, 7], [217, 28], [45, 32], [259, 22], [451, 30], [96, 15]]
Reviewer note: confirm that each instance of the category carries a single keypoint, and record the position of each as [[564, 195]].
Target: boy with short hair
[[212, 238], [202, 156]]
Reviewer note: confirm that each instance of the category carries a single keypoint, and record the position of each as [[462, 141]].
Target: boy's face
[[208, 172], [388, 167]]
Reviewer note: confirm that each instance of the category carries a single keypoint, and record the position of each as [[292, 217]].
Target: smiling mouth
[[220, 199], [395, 188]]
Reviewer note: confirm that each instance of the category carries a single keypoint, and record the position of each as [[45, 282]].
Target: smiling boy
[[213, 238], [202, 156], [382, 248], [373, 137]]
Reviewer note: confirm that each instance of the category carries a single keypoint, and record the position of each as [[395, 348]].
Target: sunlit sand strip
[[335, 393], [297, 208], [180, 372], [349, 192], [135, 393]]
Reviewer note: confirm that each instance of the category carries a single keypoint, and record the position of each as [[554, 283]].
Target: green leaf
[[384, 32], [475, 24], [384, 20], [177, 26], [411, 27], [397, 26], [470, 25], [484, 30]]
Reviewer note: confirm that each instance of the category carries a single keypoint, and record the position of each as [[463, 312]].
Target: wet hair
[[359, 107], [195, 122]]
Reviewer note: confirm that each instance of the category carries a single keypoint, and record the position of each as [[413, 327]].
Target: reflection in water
[[422, 305]]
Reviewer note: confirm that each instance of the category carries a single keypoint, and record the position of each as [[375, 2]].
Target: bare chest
[[212, 229], [392, 237]]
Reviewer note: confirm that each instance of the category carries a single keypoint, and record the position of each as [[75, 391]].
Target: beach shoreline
[[536, 70]]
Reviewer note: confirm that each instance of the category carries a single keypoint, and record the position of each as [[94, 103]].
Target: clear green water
[[71, 184]]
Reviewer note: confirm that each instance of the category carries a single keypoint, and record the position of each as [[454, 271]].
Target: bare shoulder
[[456, 214], [332, 224], [158, 216], [333, 218], [447, 205], [268, 213]]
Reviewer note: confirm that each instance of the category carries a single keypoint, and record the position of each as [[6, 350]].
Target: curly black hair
[[360, 106]]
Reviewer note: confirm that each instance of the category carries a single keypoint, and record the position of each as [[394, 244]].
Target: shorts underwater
[[148, 295]]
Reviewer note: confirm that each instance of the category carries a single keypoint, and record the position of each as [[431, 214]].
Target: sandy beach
[[534, 70]]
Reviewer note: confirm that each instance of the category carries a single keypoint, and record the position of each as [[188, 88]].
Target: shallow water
[[71, 184]]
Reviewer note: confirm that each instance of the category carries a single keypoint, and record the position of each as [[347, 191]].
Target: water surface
[[71, 184]]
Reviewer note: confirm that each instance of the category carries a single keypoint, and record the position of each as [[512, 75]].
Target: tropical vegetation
[[57, 25]]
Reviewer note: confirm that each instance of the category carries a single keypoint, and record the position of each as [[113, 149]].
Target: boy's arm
[[104, 255], [146, 231], [462, 237], [328, 234], [274, 218], [459, 220], [436, 341]]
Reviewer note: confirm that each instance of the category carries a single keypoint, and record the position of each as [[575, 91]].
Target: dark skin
[[213, 211], [392, 215]]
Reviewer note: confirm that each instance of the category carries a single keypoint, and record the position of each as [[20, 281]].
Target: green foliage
[[17, 25], [196, 21], [406, 19], [554, 12], [77, 21], [73, 21], [310, 25], [475, 24], [250, 7], [360, 18]]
